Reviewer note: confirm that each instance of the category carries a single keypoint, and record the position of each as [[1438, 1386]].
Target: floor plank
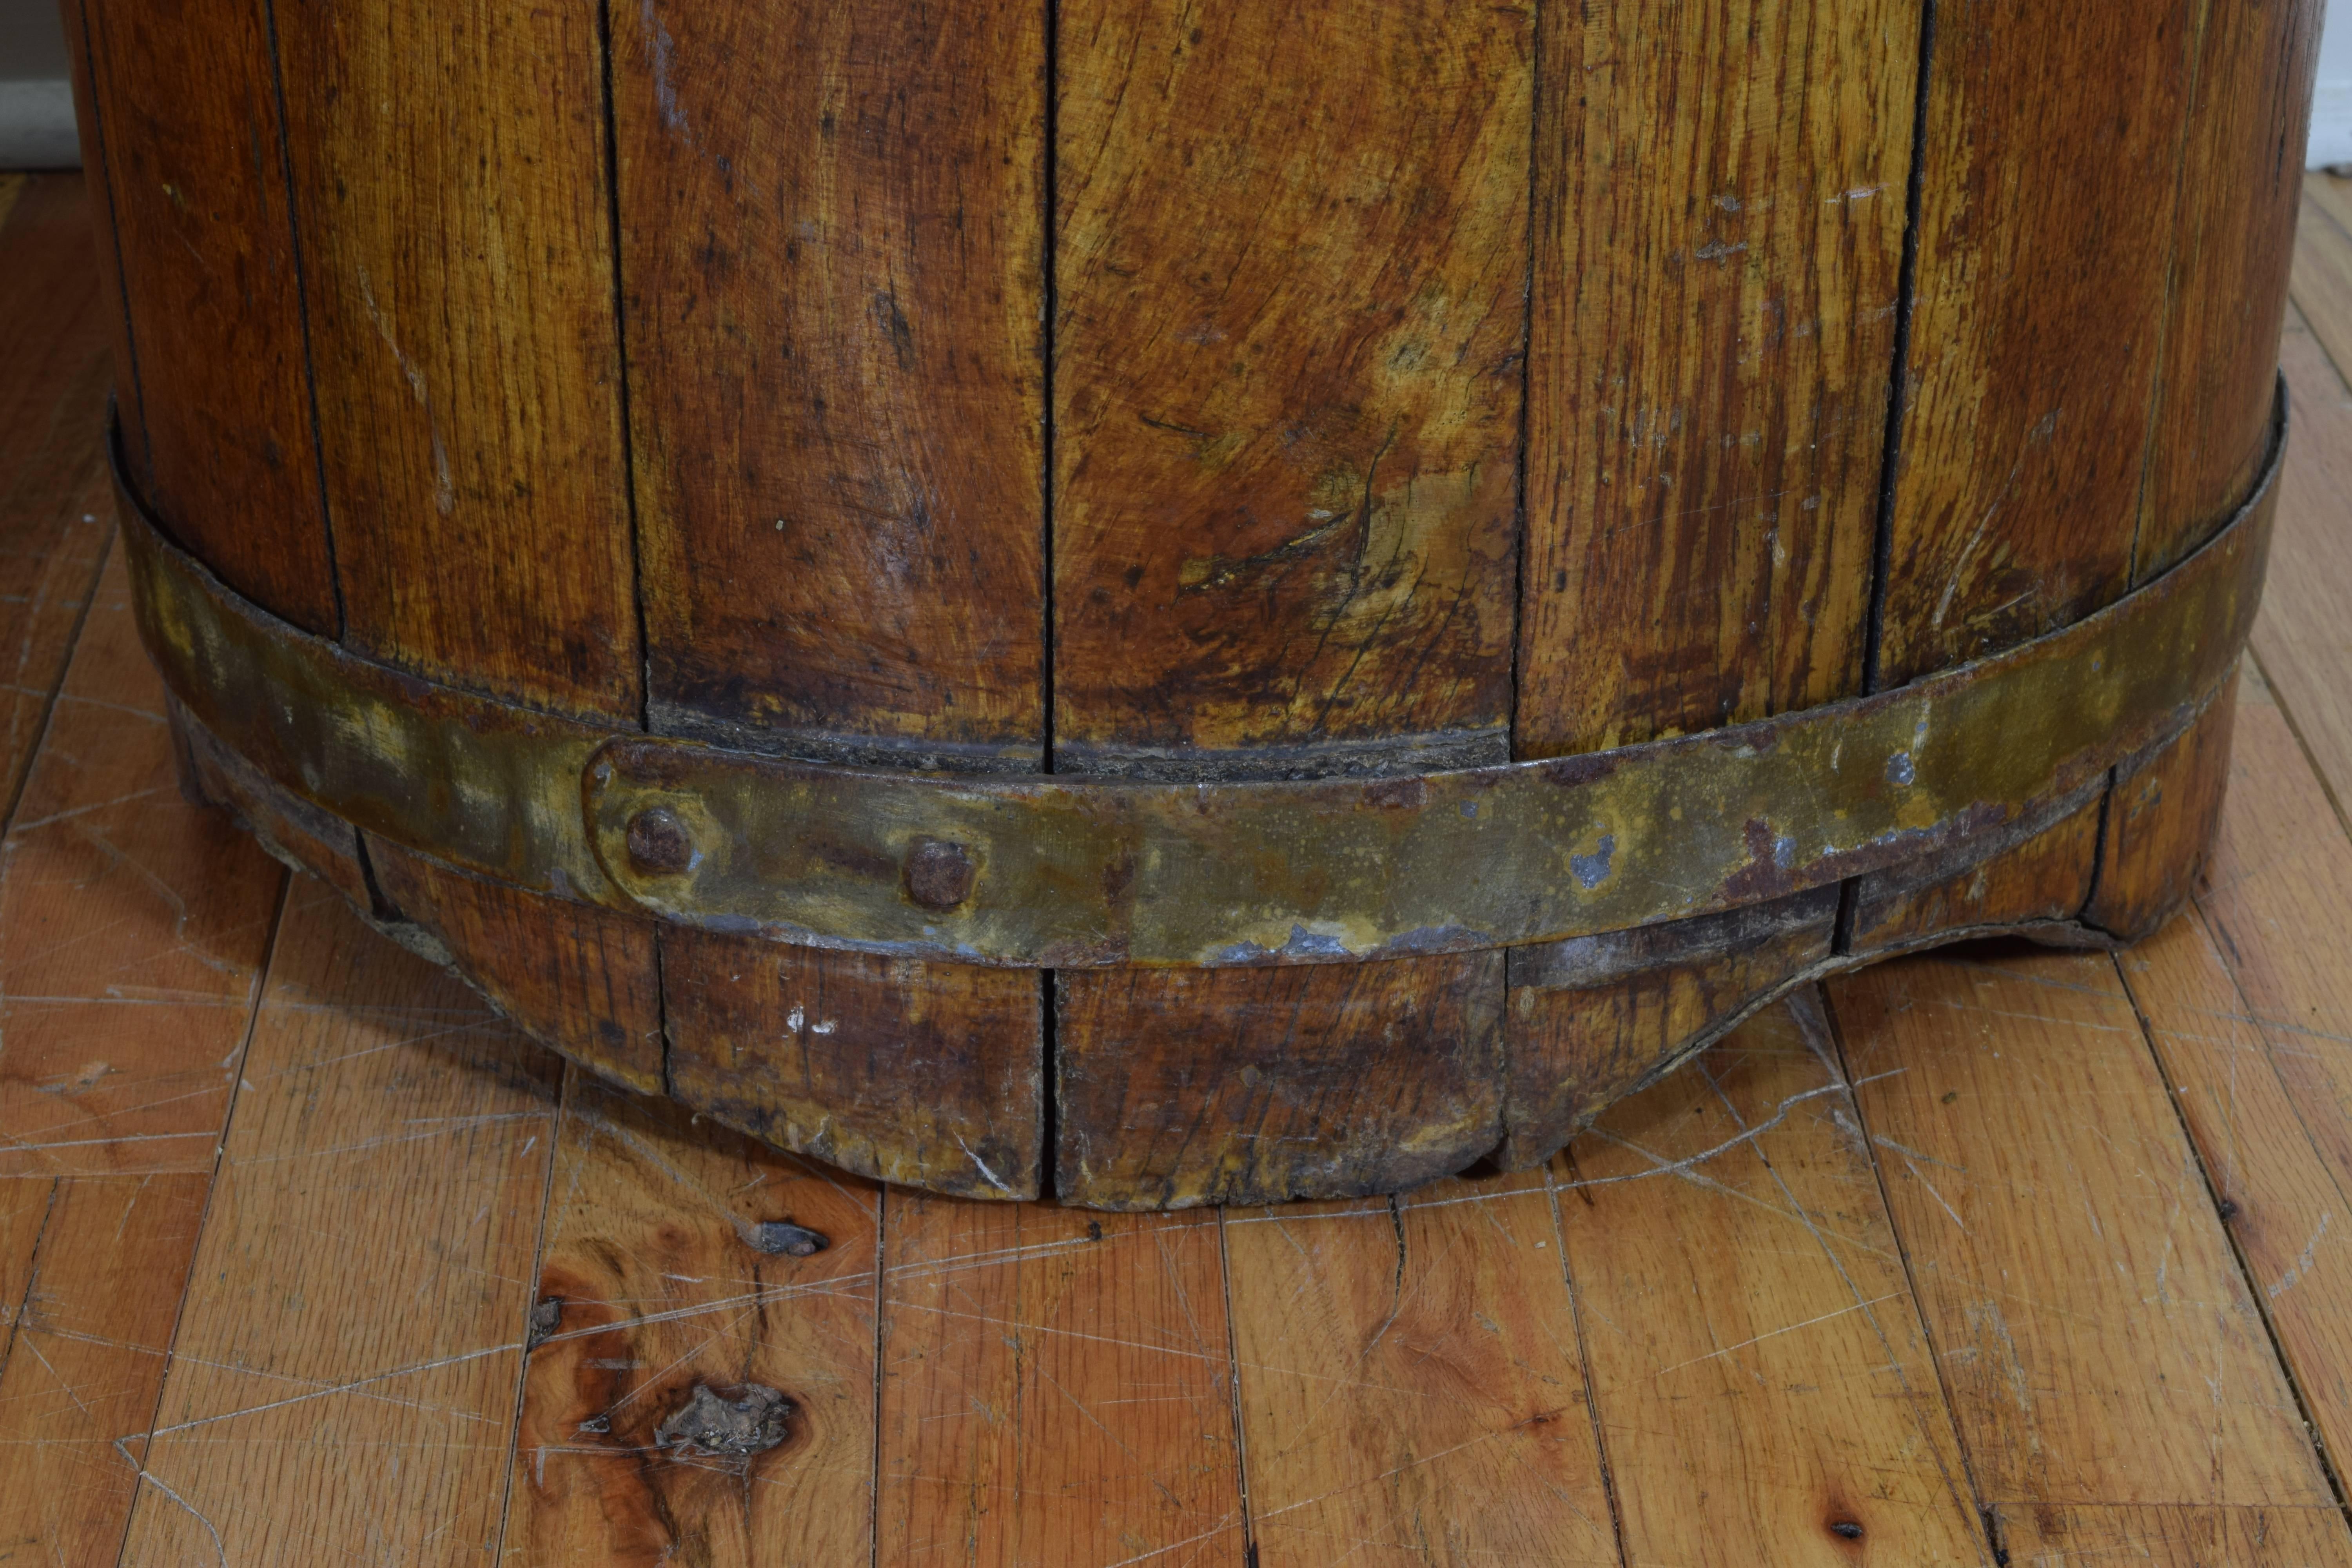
[[54, 495], [2098, 1341], [344, 1382], [2322, 278], [2303, 637], [2276, 900], [2174, 1537], [657, 1277], [132, 928], [1057, 1388], [88, 1362], [1748, 1321], [2280, 1200], [23, 1210], [1412, 1390]]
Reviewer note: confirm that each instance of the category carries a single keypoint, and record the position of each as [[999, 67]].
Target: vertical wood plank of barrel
[[106, 246], [833, 287], [2233, 236], [925, 1074], [833, 247], [2161, 823], [1719, 208], [220, 441], [449, 187], [2034, 355], [1718, 246], [580, 979], [1288, 336], [1179, 1087], [1289, 327], [2035, 360]]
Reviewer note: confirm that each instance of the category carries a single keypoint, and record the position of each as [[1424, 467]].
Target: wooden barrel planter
[[1159, 604]]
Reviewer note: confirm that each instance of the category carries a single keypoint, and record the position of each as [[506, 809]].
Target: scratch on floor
[[2300, 1270]]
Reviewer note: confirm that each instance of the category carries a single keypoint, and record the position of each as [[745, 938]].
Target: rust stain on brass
[[1070, 871]]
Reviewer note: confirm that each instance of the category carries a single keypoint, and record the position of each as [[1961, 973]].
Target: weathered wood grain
[[88, 1358], [225, 452], [2279, 1197], [1288, 328], [835, 291], [1595, 1018], [449, 184], [24, 1211], [929, 1074], [2276, 897], [2302, 636], [2275, 902], [2174, 1537], [1411, 1386], [1176, 1087], [2041, 882], [835, 297], [1720, 215], [2033, 353], [2249, 104], [132, 931], [344, 1375], [2097, 1340], [2159, 827], [583, 979], [56, 321], [1056, 1388], [1765, 1391], [1290, 272], [657, 1279]]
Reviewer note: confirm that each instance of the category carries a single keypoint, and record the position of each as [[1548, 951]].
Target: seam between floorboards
[[203, 1223], [2313, 1435], [1584, 1362], [530, 1305], [1986, 1520]]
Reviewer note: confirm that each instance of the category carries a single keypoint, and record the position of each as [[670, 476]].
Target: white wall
[[36, 129], [2331, 102]]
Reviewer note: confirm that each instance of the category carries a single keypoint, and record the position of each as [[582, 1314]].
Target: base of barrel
[[1149, 1088]]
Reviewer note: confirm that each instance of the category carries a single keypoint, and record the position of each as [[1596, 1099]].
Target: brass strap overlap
[[1062, 871]]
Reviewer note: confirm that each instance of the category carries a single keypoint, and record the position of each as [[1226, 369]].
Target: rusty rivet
[[657, 841], [940, 874]]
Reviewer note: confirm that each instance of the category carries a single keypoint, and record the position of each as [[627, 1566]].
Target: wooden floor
[[1993, 1257]]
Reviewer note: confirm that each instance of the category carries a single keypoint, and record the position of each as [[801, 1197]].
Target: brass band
[[1048, 871]]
